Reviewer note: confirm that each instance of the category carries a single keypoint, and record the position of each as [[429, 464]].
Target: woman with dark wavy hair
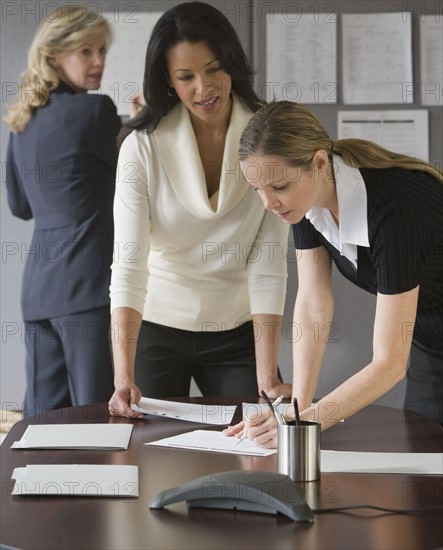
[[199, 285]]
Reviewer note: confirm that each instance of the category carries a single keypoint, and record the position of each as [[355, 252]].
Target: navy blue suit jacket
[[61, 172]]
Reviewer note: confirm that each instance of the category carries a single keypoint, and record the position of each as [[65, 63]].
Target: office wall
[[350, 345]]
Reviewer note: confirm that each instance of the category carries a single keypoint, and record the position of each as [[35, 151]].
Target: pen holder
[[298, 450]]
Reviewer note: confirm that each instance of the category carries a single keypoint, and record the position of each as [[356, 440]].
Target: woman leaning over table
[[201, 264], [61, 163], [378, 215]]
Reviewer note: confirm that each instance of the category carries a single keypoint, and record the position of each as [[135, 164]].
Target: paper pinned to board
[[75, 436], [301, 58], [377, 57], [191, 412], [400, 130], [86, 480], [212, 441], [125, 61], [431, 60]]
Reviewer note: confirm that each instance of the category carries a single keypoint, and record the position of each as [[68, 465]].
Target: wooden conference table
[[82, 523]]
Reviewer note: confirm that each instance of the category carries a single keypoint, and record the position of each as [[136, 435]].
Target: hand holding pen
[[273, 407]]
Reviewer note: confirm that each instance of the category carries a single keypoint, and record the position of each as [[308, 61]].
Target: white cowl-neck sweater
[[185, 260]]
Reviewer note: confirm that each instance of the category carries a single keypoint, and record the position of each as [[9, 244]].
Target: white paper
[[377, 58], [382, 463], [207, 440], [402, 131], [431, 60], [125, 62], [75, 436], [301, 57], [191, 412], [93, 480]]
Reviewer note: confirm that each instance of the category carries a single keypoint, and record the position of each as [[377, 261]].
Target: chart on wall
[[403, 131], [431, 60], [377, 58], [301, 57], [125, 62]]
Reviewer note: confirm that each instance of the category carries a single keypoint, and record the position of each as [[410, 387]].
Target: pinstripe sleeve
[[305, 235]]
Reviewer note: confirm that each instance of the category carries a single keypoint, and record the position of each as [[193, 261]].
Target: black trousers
[[68, 361], [424, 388], [221, 363]]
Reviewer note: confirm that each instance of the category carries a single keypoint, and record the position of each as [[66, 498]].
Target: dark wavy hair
[[189, 22]]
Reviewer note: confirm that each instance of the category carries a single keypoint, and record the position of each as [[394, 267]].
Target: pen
[[297, 413], [278, 401], [276, 412], [274, 404]]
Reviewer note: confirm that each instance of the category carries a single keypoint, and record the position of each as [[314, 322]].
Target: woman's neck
[[328, 198], [212, 130]]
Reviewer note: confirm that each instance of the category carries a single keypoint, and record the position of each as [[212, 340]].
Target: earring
[[170, 91]]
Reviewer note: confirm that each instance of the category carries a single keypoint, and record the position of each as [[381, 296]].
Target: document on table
[[191, 412], [75, 436], [213, 441], [382, 463], [93, 480]]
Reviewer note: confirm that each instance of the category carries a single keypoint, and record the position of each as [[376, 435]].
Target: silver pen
[[274, 404]]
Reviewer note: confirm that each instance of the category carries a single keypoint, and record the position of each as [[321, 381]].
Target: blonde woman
[[61, 165], [378, 216]]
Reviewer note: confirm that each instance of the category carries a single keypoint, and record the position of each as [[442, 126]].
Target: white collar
[[352, 207], [177, 147]]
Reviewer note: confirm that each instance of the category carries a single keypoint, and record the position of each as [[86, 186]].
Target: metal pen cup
[[298, 450]]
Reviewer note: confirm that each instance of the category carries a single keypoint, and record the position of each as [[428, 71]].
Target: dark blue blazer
[[61, 171]]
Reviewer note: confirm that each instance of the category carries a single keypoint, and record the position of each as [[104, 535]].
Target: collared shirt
[[352, 206], [403, 224]]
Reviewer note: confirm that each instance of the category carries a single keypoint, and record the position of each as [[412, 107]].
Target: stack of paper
[[192, 412], [75, 436], [217, 442], [86, 480], [382, 463]]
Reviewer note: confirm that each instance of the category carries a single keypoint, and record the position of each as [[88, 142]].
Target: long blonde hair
[[290, 131], [63, 30]]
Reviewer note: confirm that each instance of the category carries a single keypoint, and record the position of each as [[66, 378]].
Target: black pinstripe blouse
[[405, 227]]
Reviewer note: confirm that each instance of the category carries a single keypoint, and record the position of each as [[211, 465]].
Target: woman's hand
[[277, 389], [136, 105], [261, 428], [122, 399], [235, 431]]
